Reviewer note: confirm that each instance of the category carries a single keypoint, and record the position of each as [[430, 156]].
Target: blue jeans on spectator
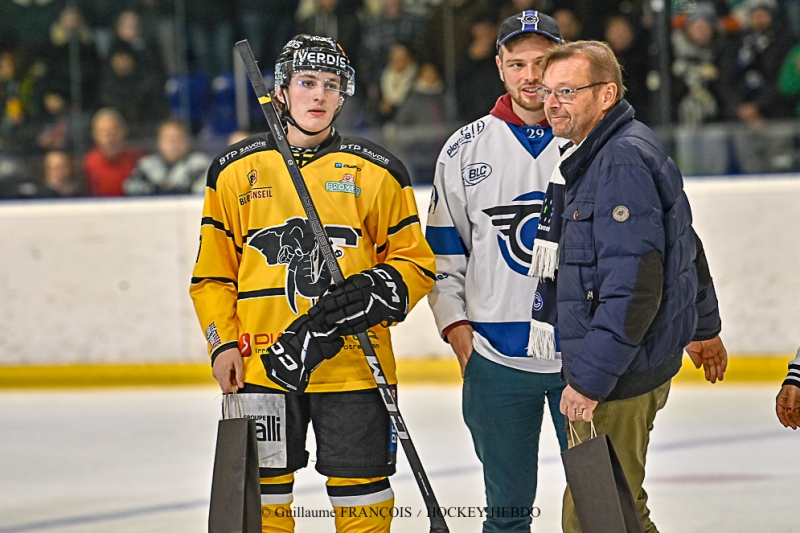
[[503, 408]]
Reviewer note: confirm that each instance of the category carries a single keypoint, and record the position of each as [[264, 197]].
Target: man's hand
[[228, 370], [711, 355], [576, 406], [460, 338], [787, 405]]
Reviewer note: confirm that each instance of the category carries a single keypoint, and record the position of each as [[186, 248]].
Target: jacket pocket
[[578, 238]]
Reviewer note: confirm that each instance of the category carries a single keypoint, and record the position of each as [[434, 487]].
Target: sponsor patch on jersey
[[235, 154], [245, 346], [475, 173], [467, 134], [212, 336], [346, 185], [517, 225], [345, 165], [366, 152], [252, 176], [260, 193]]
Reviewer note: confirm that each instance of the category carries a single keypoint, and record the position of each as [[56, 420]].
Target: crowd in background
[[89, 88]]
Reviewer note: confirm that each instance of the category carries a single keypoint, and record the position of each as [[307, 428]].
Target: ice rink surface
[[140, 460]]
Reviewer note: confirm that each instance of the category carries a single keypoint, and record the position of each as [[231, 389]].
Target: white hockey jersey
[[489, 185]]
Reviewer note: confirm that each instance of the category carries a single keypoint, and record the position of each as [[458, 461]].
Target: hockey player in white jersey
[[490, 181]]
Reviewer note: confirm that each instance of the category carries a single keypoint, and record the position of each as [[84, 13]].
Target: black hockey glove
[[299, 350], [364, 300]]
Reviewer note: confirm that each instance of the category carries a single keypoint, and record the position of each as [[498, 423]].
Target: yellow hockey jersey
[[259, 267]]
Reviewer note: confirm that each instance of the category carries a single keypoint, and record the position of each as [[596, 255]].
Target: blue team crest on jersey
[[517, 225]]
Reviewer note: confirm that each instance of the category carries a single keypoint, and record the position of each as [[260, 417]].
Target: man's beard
[[516, 96]]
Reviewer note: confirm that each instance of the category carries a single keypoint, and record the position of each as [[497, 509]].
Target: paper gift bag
[[600, 491], [235, 491]]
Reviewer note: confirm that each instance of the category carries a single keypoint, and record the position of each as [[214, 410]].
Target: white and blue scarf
[[543, 342]]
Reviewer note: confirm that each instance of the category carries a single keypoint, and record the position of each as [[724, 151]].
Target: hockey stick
[[438, 524]]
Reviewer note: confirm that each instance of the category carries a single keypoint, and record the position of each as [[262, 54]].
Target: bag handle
[[574, 434], [226, 406]]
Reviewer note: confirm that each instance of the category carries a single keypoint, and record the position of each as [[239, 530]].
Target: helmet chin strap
[[287, 115]]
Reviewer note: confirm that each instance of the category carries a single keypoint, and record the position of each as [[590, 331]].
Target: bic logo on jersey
[[517, 224]]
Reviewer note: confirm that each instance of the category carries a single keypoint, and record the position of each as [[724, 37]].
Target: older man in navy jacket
[[633, 286]]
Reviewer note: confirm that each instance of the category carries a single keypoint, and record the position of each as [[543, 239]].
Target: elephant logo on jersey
[[517, 225], [293, 244]]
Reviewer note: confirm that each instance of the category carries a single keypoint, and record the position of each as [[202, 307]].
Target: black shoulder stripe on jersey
[[381, 248], [378, 155], [262, 293], [359, 490], [208, 221], [254, 231], [413, 219], [425, 271], [195, 281], [234, 152]]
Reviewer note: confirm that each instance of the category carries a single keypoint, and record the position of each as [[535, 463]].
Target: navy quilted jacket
[[629, 299]]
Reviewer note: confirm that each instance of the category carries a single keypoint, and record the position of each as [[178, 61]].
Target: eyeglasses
[[565, 94]]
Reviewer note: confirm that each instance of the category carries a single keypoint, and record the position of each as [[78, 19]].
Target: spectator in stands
[[111, 161], [333, 20], [477, 84], [789, 81], [55, 128], [696, 50], [174, 169], [389, 26], [267, 25], [146, 52], [570, 24], [210, 33], [12, 111], [424, 105], [59, 176], [136, 93], [158, 23], [72, 26], [752, 67], [514, 7], [434, 35], [629, 44], [397, 80], [28, 23]]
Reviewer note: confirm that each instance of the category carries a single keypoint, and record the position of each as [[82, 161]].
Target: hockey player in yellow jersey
[[277, 332]]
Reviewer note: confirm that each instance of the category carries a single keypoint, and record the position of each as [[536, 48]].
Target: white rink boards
[[139, 460], [106, 280]]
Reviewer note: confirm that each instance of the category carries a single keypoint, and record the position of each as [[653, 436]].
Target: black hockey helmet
[[311, 52]]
